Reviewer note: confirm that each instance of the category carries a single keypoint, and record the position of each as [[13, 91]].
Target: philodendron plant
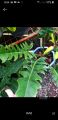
[[20, 70]]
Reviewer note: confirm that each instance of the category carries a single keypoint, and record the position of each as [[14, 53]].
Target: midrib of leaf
[[13, 52], [31, 75]]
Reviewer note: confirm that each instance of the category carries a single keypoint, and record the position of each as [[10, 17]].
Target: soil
[[48, 89]]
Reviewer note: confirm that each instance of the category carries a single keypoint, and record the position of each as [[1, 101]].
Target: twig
[[26, 38]]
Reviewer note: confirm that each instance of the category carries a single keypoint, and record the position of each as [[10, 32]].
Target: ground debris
[[48, 89]]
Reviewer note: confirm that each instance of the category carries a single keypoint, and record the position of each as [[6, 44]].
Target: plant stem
[[26, 38]]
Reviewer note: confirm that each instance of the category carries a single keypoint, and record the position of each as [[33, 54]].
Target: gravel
[[48, 89]]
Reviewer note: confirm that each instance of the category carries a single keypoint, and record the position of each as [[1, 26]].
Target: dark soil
[[48, 89]]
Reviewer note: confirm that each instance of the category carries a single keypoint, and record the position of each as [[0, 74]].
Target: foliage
[[54, 73], [53, 38], [24, 67], [14, 51], [53, 69], [12, 29], [56, 55], [2, 29], [44, 30], [48, 50], [6, 29], [28, 83], [21, 70], [6, 70]]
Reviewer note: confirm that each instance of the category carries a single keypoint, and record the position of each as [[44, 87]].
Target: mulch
[[48, 89]]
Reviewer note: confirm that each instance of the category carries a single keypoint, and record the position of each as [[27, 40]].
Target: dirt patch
[[49, 89]]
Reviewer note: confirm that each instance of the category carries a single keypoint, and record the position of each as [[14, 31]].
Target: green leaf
[[7, 70], [13, 52], [54, 75], [52, 38], [28, 83], [56, 67], [56, 55], [12, 29], [48, 50], [13, 85], [36, 76], [44, 30], [27, 88]]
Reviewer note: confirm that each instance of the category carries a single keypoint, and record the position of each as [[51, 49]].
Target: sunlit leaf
[[52, 38], [56, 55], [48, 50], [12, 29]]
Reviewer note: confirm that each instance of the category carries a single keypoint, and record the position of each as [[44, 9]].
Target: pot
[[52, 53]]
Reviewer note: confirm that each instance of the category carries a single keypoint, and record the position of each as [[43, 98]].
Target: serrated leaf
[[9, 52]]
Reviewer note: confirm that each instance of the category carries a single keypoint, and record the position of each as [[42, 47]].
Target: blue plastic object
[[39, 48]]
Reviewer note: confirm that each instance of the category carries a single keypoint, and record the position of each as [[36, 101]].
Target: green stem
[[31, 73]]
